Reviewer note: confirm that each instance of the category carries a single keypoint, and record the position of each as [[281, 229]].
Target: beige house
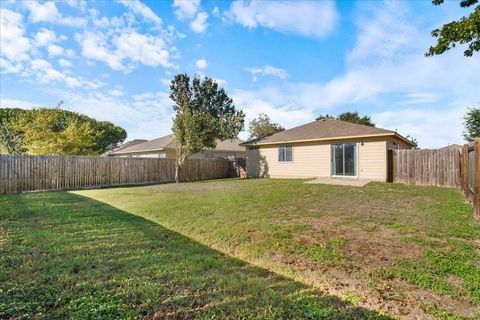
[[324, 148], [164, 147]]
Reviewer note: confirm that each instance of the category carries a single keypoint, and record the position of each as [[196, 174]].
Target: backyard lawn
[[240, 249]]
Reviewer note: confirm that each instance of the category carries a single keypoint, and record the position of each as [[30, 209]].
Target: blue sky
[[292, 60]]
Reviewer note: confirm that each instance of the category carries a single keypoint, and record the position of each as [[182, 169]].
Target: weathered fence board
[[429, 167], [20, 173], [471, 174]]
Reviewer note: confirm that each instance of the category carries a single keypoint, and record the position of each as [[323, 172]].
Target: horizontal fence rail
[[428, 167], [20, 173]]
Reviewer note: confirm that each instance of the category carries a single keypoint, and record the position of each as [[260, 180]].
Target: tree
[[262, 127], [350, 117], [472, 124], [204, 114], [56, 131], [10, 140], [464, 31]]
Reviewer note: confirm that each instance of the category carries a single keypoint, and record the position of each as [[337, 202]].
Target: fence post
[[476, 172], [464, 171]]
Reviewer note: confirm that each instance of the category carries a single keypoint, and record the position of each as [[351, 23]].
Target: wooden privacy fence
[[440, 167], [21, 173], [428, 167]]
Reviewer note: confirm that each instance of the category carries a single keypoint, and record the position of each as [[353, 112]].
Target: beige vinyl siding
[[309, 160], [394, 145], [372, 160], [314, 160]]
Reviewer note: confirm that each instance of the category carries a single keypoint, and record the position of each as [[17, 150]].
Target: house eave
[[392, 134], [138, 151]]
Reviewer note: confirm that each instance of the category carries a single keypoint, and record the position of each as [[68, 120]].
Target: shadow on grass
[[67, 256]]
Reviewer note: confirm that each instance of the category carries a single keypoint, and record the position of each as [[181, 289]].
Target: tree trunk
[[177, 172]]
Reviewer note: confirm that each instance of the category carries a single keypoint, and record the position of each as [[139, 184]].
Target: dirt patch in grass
[[364, 254], [363, 248]]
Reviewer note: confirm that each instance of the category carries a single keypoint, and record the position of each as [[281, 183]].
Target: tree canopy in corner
[[465, 31], [55, 131]]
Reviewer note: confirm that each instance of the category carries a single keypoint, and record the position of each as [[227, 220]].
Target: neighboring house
[[452, 146], [324, 148], [164, 147]]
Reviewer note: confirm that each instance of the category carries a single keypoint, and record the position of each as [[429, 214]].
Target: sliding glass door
[[344, 159]]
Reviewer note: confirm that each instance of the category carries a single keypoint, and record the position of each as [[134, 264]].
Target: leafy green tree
[[464, 31], [350, 117], [472, 124], [204, 114], [262, 127], [11, 140], [56, 131]]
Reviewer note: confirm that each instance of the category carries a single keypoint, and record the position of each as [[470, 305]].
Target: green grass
[[202, 250]]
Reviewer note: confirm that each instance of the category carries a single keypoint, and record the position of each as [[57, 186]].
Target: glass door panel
[[338, 159], [349, 159], [344, 159]]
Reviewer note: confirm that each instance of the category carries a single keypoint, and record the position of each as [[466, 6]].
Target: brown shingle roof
[[152, 145], [452, 146], [168, 142], [323, 130], [126, 145], [230, 145]]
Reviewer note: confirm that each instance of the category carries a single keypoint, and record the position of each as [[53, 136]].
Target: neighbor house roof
[[325, 129], [168, 142], [452, 146], [126, 145]]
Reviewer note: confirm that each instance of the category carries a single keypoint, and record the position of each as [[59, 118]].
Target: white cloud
[[186, 9], [42, 12], [307, 18], [64, 63], [115, 92], [431, 127], [201, 63], [80, 4], [44, 37], [11, 66], [200, 23], [284, 113], [15, 45], [146, 49], [268, 71], [54, 50], [383, 31], [216, 11], [189, 10], [94, 46], [122, 48], [6, 102], [48, 12], [142, 10], [43, 72]]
